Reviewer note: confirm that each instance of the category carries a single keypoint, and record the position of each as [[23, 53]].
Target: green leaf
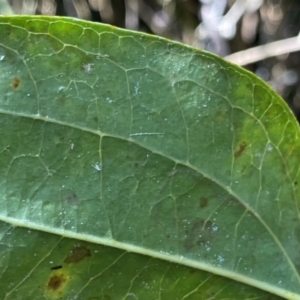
[[133, 167]]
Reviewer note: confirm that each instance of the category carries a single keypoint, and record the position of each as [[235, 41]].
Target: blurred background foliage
[[225, 27]]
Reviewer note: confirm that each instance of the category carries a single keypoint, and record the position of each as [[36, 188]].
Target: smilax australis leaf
[[132, 167]]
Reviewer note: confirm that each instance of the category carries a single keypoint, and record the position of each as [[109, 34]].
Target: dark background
[[220, 26]]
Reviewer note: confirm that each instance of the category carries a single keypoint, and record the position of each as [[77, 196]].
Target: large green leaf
[[114, 139]]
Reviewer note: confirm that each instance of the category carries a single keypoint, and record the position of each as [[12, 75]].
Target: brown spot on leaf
[[77, 254], [241, 149], [16, 83], [56, 282], [203, 202]]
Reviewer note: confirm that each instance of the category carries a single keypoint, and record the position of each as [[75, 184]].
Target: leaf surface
[[115, 141]]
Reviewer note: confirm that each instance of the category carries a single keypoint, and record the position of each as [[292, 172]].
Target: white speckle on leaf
[[220, 259], [61, 88], [146, 133], [2, 57], [88, 68], [215, 228], [269, 147], [97, 167], [132, 296]]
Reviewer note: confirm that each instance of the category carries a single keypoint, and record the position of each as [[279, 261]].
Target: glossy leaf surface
[[120, 140]]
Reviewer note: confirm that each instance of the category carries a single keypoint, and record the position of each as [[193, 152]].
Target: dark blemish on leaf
[[77, 254], [241, 149], [56, 282], [16, 83], [56, 268], [73, 199], [295, 183], [199, 234], [203, 202], [62, 100], [136, 165], [168, 236]]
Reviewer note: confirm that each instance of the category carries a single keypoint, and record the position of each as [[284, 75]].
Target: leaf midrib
[[140, 250], [159, 255]]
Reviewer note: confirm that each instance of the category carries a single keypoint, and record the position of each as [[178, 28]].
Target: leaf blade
[[202, 129]]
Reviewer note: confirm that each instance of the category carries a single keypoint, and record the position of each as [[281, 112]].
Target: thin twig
[[255, 54]]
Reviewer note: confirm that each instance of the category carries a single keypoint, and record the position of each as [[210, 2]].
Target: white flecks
[[132, 295], [228, 187], [28, 95], [220, 259], [2, 57], [72, 145], [215, 228], [146, 133], [61, 88], [269, 147], [97, 167], [88, 68], [136, 90], [257, 154]]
